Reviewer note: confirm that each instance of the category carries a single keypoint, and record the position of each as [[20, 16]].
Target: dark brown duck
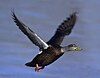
[[51, 50]]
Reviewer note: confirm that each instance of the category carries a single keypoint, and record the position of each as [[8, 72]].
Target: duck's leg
[[37, 68]]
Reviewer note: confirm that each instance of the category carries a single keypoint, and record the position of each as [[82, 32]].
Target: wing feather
[[64, 29], [29, 33]]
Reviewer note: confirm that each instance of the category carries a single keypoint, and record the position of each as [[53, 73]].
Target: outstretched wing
[[29, 33], [64, 29]]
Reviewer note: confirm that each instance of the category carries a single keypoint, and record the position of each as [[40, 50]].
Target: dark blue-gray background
[[44, 16]]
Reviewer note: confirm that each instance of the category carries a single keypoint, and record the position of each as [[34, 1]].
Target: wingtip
[[13, 15], [12, 12], [74, 14]]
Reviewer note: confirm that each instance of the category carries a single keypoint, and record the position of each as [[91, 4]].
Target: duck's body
[[46, 57], [51, 50]]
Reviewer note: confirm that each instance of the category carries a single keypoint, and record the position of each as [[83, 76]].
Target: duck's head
[[73, 47]]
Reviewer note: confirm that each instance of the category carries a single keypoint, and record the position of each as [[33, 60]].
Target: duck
[[51, 50]]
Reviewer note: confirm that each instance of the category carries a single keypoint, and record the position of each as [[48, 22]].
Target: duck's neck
[[65, 49]]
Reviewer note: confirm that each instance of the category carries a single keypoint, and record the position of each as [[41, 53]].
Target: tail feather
[[29, 64]]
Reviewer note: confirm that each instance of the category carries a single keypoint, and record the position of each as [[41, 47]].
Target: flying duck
[[51, 50]]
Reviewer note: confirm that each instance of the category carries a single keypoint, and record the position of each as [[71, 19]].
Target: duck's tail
[[29, 64]]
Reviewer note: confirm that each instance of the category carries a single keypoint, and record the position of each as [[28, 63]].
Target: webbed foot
[[37, 68]]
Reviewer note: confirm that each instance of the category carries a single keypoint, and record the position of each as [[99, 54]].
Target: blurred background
[[44, 16]]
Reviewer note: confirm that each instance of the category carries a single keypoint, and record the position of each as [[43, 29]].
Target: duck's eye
[[75, 49]]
